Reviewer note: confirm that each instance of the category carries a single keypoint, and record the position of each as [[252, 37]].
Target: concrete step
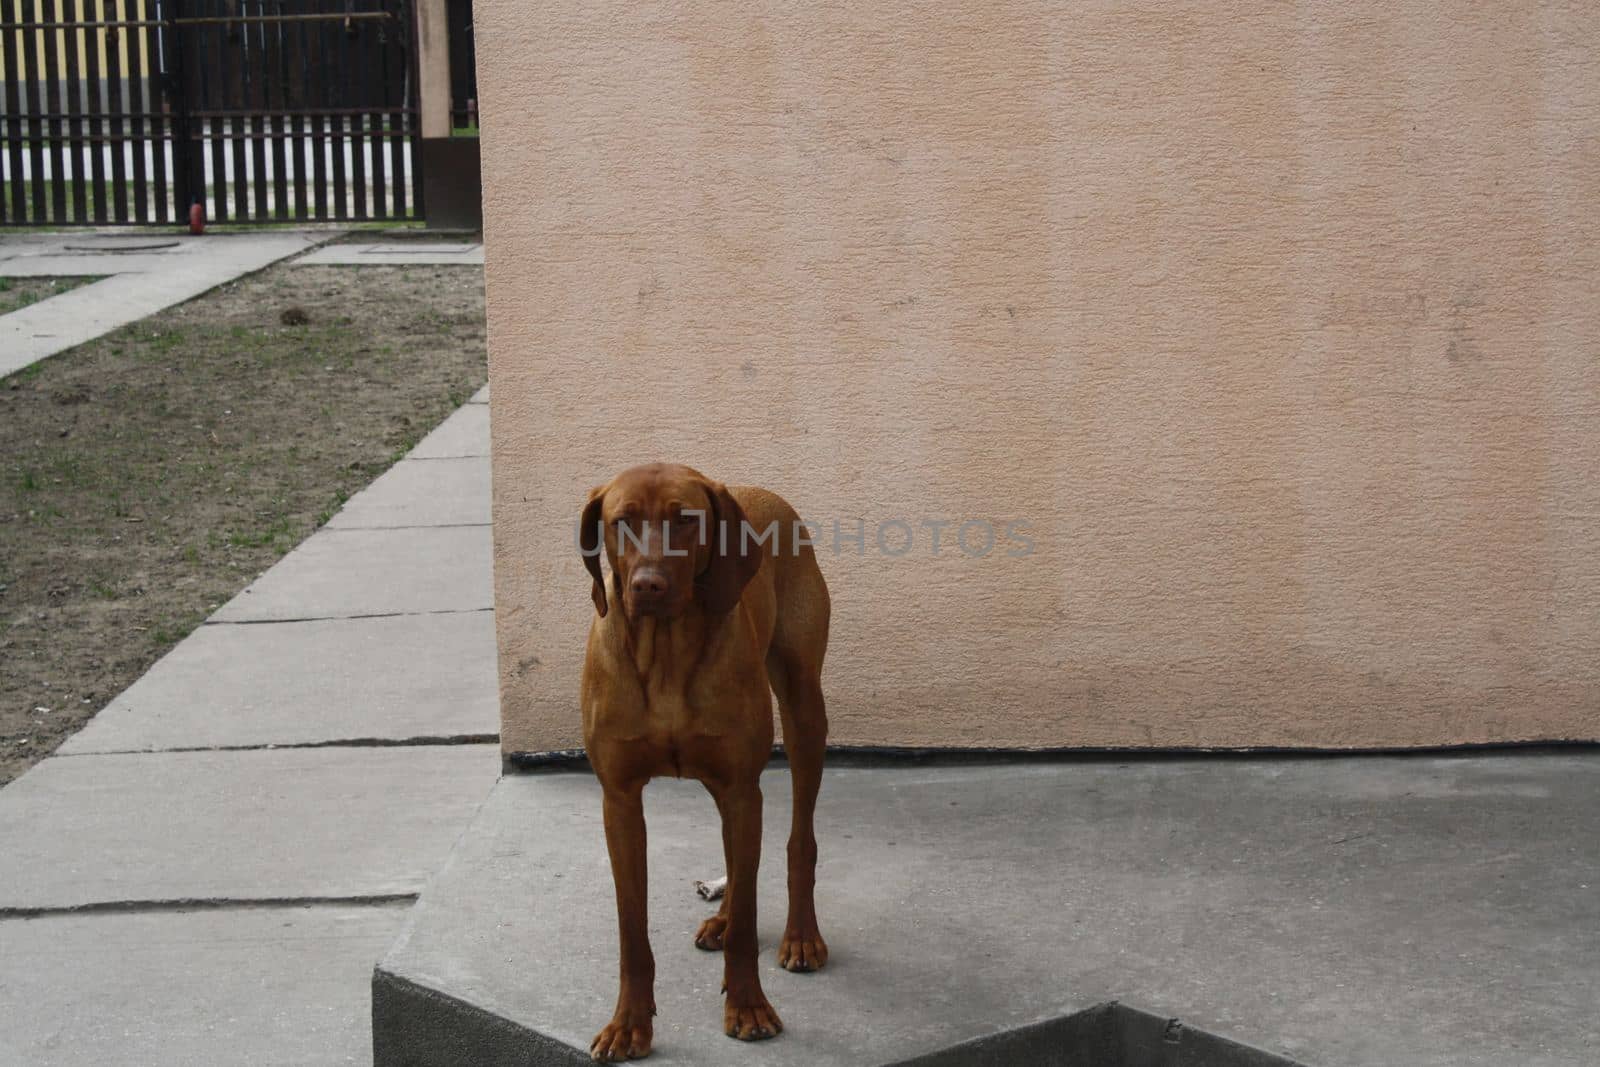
[[1337, 912]]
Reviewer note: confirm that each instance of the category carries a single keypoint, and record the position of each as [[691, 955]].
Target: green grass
[[327, 513], [30, 206], [18, 293]]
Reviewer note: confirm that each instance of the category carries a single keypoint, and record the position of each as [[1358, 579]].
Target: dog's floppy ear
[[733, 561], [589, 535]]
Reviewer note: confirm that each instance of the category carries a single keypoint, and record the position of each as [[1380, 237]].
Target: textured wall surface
[[1276, 325]]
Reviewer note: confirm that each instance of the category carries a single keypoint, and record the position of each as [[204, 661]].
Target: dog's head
[[672, 537]]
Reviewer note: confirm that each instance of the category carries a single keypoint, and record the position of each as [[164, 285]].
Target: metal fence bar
[[274, 60], [315, 38], [338, 59], [159, 130], [213, 82], [188, 167], [308, 171], [397, 66], [16, 199], [116, 129], [41, 191], [341, 168], [142, 56], [296, 31], [38, 136], [256, 125], [239, 48], [361, 124], [71, 88], [49, 67], [96, 111]]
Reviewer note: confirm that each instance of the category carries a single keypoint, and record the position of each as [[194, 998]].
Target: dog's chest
[[693, 730], [680, 706]]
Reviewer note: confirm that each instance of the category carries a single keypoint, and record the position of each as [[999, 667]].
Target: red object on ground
[[197, 218]]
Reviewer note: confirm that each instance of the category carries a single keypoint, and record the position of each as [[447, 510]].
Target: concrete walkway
[[144, 274], [207, 873]]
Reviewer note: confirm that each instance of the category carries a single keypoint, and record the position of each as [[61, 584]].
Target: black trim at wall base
[[413, 1026], [574, 759], [452, 183]]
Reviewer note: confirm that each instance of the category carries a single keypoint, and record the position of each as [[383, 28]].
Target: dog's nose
[[649, 583]]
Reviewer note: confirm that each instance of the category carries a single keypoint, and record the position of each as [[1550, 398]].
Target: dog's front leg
[[627, 1036], [746, 1013]]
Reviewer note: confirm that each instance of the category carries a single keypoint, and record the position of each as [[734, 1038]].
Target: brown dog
[[701, 624]]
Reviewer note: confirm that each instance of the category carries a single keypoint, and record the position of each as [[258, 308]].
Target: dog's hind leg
[[794, 667]]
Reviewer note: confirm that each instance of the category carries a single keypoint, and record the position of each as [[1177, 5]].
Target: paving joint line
[[422, 741], [339, 618], [184, 904], [435, 459], [407, 526]]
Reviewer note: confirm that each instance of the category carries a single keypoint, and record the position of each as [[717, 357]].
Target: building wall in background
[[1275, 326]]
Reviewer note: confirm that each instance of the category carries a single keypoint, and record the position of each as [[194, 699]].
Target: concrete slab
[[466, 433], [401, 677], [140, 285], [480, 397], [1340, 912], [351, 573], [262, 825], [402, 253], [246, 987], [68, 253], [443, 492]]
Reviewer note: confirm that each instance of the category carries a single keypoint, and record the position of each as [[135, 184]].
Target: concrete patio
[[1432, 911]]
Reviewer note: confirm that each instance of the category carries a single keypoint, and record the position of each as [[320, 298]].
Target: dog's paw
[[751, 1022], [802, 951], [624, 1038], [711, 933]]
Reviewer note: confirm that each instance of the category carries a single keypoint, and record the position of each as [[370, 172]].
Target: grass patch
[[148, 476], [36, 212], [18, 293]]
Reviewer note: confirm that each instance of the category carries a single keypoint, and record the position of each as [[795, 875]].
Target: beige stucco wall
[[1278, 324]]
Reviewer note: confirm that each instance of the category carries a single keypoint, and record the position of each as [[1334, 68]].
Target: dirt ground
[[147, 477]]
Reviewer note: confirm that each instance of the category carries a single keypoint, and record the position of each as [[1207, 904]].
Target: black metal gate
[[260, 110]]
